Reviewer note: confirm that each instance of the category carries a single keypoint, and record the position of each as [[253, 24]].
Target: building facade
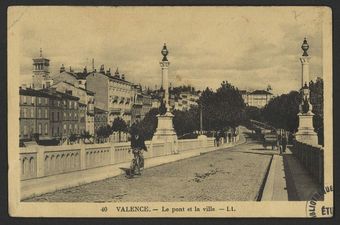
[[185, 101], [86, 97], [100, 118], [47, 114], [141, 106], [34, 114], [257, 98], [113, 94]]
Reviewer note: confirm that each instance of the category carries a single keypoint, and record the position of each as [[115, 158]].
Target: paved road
[[232, 174]]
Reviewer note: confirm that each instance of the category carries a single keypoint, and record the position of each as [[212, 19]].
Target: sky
[[247, 46]]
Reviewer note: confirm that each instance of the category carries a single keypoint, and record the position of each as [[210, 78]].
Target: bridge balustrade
[[312, 157], [40, 161]]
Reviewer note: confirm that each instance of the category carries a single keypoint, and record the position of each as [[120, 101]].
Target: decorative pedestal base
[[306, 133], [166, 132]]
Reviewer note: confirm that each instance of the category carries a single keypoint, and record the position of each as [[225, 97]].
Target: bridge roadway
[[232, 174]]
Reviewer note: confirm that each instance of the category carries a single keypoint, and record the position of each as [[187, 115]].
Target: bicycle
[[137, 163]]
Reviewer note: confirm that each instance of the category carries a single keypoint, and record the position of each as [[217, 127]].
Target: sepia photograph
[[170, 111]]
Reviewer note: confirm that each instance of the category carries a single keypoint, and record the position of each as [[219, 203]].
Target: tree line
[[224, 109]]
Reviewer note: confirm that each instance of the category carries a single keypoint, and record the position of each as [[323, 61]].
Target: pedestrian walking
[[284, 142], [279, 142]]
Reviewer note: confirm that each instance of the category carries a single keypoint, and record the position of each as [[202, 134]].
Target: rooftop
[[47, 93], [260, 92], [83, 89], [114, 78]]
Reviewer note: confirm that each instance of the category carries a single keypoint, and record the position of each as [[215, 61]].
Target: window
[[25, 129], [70, 116], [25, 113], [70, 104], [65, 116], [75, 105], [52, 117], [58, 117], [46, 113], [46, 129], [58, 103], [57, 130], [39, 128], [39, 100], [32, 100], [76, 128], [39, 113], [70, 128], [24, 99]]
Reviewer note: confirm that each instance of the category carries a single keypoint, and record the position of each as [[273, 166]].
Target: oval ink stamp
[[317, 206]]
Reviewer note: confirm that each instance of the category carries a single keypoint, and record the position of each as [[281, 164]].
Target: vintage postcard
[[170, 111]]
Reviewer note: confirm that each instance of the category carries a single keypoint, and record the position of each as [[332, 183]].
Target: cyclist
[[137, 146]]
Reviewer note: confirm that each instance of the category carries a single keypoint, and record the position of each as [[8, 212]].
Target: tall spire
[[40, 52]]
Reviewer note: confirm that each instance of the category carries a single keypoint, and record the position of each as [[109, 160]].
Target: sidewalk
[[34, 187], [288, 180]]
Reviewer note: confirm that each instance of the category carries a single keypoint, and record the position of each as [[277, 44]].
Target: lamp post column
[[165, 80]]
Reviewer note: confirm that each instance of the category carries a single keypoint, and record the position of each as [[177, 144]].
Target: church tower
[[40, 72]]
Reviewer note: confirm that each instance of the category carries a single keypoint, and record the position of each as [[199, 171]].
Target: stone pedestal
[[306, 133], [166, 132], [204, 140]]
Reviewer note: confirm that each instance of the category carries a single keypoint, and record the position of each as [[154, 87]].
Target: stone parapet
[[41, 161]]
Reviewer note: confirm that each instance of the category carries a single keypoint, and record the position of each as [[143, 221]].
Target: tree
[[281, 112], [186, 122], [73, 137], [148, 125], [252, 113], [103, 133], [222, 109], [85, 136], [119, 125], [316, 98]]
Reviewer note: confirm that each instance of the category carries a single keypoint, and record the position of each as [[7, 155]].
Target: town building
[[257, 98], [34, 114], [82, 117], [86, 97], [69, 106], [47, 114], [113, 93], [78, 79], [185, 101], [100, 118], [142, 104]]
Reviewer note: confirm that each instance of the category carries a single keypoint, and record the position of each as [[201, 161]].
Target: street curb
[[275, 185], [267, 187]]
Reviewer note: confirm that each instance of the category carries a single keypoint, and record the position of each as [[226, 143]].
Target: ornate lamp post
[[165, 130], [306, 131], [165, 82]]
